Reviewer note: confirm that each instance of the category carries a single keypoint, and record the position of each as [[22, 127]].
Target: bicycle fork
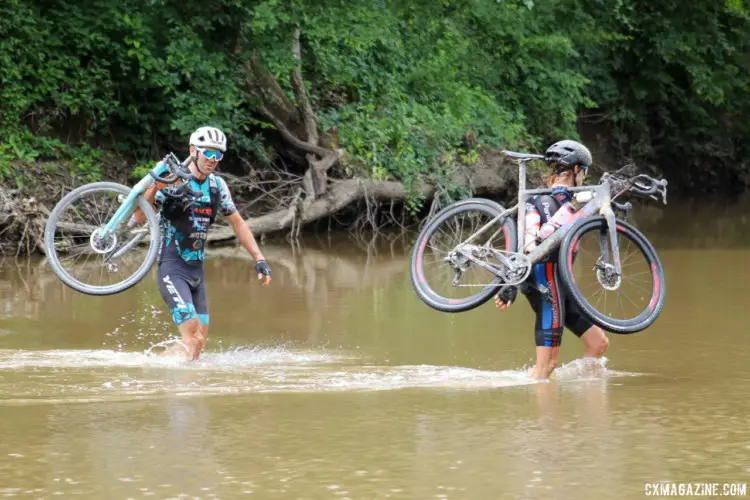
[[609, 270]]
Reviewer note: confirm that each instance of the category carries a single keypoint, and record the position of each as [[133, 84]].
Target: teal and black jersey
[[185, 228]]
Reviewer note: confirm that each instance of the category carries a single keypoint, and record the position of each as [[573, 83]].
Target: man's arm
[[247, 240]]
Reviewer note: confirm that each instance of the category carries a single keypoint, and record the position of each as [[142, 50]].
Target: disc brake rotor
[[607, 276], [101, 243]]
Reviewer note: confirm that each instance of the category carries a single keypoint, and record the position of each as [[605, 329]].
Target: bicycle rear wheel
[[449, 282], [90, 264], [619, 303]]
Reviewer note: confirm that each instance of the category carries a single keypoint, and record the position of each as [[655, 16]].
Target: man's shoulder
[[221, 184]]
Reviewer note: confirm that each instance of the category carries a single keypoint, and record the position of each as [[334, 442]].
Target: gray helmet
[[567, 154]]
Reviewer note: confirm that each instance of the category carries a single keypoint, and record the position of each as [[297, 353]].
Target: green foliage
[[409, 89], [673, 83], [82, 162]]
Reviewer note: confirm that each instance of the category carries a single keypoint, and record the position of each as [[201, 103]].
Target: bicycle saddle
[[523, 156]]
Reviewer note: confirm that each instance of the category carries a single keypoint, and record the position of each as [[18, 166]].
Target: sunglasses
[[211, 154]]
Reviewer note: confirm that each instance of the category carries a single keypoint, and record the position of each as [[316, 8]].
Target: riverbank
[[271, 202]]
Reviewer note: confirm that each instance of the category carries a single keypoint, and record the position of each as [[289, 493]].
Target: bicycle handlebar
[[179, 192], [644, 185], [177, 169], [641, 185]]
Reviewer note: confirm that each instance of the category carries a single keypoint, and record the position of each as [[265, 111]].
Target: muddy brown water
[[337, 382]]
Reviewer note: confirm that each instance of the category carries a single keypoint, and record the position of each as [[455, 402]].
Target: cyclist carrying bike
[[185, 226], [568, 161]]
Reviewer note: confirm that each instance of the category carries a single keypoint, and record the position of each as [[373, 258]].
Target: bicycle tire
[[658, 292], [53, 256], [422, 288]]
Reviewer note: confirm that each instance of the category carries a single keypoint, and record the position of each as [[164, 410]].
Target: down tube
[[127, 205]]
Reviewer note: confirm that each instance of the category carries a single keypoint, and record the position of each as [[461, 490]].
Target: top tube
[[571, 189], [601, 187]]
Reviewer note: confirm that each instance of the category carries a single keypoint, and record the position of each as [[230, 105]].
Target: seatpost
[[521, 203]]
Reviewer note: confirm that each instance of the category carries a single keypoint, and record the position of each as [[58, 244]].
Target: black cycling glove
[[508, 295], [261, 267]]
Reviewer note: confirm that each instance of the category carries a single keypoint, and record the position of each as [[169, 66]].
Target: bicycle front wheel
[[92, 264], [625, 302], [446, 280]]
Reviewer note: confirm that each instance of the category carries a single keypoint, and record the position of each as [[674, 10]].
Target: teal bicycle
[[89, 242]]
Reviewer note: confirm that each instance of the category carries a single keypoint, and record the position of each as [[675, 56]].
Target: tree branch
[[268, 89], [300, 92], [291, 138]]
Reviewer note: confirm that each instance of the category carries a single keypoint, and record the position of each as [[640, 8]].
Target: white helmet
[[209, 137]]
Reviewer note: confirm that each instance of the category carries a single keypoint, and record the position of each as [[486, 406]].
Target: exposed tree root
[[379, 198], [22, 221]]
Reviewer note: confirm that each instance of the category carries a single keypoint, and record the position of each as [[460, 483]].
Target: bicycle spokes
[[87, 253], [619, 295], [456, 270]]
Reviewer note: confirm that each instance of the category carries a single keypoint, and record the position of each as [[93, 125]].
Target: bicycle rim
[[624, 303], [90, 264], [436, 281]]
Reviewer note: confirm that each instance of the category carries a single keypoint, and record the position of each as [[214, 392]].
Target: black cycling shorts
[[554, 309], [183, 288]]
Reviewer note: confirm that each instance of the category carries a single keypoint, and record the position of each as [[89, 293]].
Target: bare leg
[[193, 337], [553, 359], [204, 337], [595, 342], [543, 358]]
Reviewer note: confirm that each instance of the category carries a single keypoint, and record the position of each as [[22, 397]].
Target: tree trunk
[[345, 192], [276, 107]]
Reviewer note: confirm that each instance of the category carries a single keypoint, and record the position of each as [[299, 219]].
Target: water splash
[[166, 343], [584, 369], [238, 358], [102, 375]]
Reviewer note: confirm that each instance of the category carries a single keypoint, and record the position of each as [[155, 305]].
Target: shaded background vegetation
[[407, 88]]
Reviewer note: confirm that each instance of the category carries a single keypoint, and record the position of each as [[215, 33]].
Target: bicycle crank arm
[[489, 267]]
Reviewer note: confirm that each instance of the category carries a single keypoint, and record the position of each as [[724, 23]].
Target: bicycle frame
[[600, 202], [128, 205], [110, 236]]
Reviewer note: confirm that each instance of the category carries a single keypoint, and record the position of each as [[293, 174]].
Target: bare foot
[[176, 349]]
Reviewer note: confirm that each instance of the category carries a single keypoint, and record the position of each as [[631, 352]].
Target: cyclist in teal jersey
[[185, 227]]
